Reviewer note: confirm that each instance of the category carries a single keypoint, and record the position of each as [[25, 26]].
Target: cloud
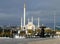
[[12, 10]]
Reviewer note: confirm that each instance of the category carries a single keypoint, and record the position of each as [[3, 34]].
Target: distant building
[[30, 26], [58, 33]]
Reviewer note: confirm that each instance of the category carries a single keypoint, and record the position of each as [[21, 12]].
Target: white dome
[[30, 25]]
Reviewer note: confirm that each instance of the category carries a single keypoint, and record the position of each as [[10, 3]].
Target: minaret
[[24, 13], [32, 19], [38, 22], [54, 21], [21, 22]]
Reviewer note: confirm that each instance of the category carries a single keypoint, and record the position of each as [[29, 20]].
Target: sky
[[11, 11]]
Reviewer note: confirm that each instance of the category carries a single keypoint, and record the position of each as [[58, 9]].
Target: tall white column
[[38, 22], [24, 13], [21, 22], [54, 21]]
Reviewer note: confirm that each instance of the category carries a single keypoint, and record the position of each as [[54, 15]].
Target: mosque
[[30, 24], [30, 28]]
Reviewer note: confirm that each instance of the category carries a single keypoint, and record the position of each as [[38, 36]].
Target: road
[[21, 41]]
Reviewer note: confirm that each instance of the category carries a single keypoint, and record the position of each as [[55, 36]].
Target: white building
[[30, 26]]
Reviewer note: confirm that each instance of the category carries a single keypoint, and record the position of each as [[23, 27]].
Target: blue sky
[[12, 10]]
